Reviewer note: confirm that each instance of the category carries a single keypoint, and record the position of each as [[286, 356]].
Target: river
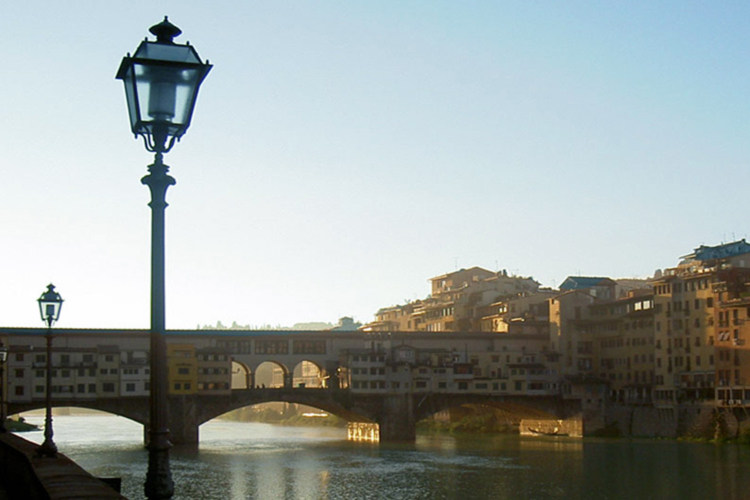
[[261, 461]]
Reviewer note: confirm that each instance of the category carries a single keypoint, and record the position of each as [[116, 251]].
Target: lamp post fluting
[[50, 304], [161, 82], [3, 359]]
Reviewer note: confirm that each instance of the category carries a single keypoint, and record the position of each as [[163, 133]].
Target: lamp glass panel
[[187, 88], [49, 309], [165, 94], [132, 100]]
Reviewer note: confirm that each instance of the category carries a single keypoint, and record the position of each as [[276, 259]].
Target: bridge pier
[[397, 420], [183, 420]]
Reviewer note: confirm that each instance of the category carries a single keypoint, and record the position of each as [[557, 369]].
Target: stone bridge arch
[[308, 374], [515, 407], [281, 375], [242, 376], [133, 408], [335, 402]]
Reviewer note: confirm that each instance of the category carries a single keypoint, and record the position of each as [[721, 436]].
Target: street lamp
[[3, 359], [161, 86], [50, 304]]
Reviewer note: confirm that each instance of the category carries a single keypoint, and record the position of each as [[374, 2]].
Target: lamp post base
[[159, 482], [47, 449]]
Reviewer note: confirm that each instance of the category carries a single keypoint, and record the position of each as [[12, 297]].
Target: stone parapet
[[25, 475]]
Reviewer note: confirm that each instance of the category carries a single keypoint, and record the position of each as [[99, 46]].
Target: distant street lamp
[[50, 304], [3, 359], [161, 85]]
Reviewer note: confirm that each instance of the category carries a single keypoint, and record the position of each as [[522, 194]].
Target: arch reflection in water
[[362, 431]]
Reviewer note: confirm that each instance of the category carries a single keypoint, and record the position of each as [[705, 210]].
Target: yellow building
[[182, 364]]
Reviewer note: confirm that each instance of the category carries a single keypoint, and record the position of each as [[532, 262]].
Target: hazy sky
[[342, 153]]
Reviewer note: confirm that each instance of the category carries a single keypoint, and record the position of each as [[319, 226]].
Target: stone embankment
[[25, 475], [688, 420]]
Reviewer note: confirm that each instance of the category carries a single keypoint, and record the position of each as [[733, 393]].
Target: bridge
[[389, 379]]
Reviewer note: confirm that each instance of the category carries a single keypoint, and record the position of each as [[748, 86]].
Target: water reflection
[[237, 461]]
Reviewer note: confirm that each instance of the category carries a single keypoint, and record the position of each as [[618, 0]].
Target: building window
[[129, 387], [309, 346], [108, 387], [271, 347], [19, 372]]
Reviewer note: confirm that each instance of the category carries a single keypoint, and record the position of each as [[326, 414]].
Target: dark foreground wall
[[25, 475]]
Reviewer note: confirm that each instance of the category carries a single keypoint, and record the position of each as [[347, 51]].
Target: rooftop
[[583, 282], [724, 251]]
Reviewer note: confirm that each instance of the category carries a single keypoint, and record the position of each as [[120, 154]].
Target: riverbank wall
[[704, 421], [24, 474]]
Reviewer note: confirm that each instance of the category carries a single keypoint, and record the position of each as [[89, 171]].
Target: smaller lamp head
[[50, 304]]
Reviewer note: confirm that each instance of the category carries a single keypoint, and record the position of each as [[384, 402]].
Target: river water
[[262, 461]]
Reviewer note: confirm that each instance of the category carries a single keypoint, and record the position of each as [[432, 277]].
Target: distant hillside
[[313, 325]]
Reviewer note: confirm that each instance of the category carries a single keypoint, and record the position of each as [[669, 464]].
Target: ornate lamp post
[[50, 304], [3, 359], [161, 86]]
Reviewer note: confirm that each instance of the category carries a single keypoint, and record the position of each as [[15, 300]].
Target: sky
[[343, 153]]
